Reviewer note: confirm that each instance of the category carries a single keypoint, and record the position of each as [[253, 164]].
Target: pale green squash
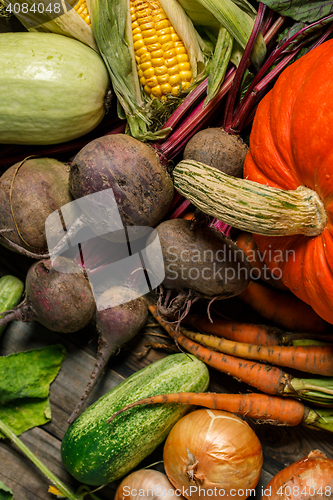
[[52, 88]]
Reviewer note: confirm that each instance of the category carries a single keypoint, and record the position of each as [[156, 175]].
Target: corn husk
[[219, 63], [112, 29], [67, 22], [238, 22]]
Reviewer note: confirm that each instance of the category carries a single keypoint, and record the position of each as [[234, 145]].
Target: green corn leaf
[[233, 18], [111, 31], [219, 63], [246, 7]]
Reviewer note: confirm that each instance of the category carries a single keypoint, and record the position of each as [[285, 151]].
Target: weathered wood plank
[[281, 446]]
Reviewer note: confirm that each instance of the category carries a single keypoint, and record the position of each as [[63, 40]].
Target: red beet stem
[[244, 63]]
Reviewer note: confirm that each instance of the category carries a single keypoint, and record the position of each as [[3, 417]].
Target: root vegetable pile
[[122, 231]]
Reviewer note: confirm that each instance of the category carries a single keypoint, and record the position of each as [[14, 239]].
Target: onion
[[211, 453], [147, 483], [309, 478]]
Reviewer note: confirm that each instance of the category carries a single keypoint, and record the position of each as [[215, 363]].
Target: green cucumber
[[96, 452], [52, 88], [11, 289]]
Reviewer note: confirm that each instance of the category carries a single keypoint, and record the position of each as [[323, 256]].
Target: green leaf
[[299, 10], [219, 63], [24, 386], [5, 493]]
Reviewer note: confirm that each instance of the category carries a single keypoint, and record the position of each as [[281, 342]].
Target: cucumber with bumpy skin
[[11, 289], [96, 452]]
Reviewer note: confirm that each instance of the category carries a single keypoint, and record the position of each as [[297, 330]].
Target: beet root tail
[[104, 354]]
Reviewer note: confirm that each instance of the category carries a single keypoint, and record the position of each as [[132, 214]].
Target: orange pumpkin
[[291, 145], [286, 196]]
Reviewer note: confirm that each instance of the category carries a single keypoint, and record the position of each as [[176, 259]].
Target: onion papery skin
[[227, 456], [310, 478], [146, 483]]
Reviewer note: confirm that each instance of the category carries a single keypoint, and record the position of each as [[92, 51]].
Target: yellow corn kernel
[[185, 76], [168, 46], [152, 81], [148, 73], [174, 80], [81, 8], [184, 66], [145, 66], [164, 39], [137, 37], [149, 33], [174, 70], [168, 54], [145, 58], [181, 58], [139, 44], [154, 46], [163, 79], [170, 63], [161, 25], [146, 26], [162, 60], [147, 89], [141, 52], [166, 88], [157, 62], [157, 91], [161, 70]]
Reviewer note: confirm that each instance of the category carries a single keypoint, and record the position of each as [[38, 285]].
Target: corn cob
[[80, 6], [162, 60]]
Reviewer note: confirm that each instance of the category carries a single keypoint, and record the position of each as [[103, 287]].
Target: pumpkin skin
[[291, 144]]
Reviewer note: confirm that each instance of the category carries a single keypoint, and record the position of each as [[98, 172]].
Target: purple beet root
[[60, 299], [120, 316], [142, 187]]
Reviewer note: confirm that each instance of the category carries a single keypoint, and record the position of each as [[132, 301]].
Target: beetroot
[[198, 262], [142, 187], [120, 316], [29, 192], [218, 149], [58, 296]]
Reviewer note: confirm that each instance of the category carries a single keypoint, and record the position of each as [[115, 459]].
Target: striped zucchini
[[11, 289], [52, 88], [96, 452]]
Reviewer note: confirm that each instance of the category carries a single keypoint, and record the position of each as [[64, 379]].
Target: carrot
[[233, 330], [312, 359], [284, 309], [260, 270], [276, 410], [268, 379], [251, 333], [188, 216]]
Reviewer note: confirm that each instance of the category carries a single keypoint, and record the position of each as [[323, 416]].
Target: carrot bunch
[[275, 302], [267, 378]]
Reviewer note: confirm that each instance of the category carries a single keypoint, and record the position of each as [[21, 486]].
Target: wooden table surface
[[281, 445]]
